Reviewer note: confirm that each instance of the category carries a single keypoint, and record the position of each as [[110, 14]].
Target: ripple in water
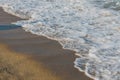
[[89, 27]]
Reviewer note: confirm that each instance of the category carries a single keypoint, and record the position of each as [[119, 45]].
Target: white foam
[[89, 27]]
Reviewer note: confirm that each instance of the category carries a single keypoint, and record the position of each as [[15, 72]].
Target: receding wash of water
[[8, 27], [89, 27]]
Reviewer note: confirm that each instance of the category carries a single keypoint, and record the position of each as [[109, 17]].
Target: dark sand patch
[[7, 19]]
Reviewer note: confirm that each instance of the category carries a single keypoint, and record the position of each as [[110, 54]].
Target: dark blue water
[[9, 27]]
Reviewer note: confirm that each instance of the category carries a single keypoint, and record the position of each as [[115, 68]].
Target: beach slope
[[45, 53]]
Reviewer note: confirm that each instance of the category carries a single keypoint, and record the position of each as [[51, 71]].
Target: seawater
[[8, 27], [89, 27]]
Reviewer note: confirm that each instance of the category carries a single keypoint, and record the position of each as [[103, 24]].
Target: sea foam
[[89, 27]]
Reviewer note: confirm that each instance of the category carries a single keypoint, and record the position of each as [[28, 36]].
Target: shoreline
[[20, 41]]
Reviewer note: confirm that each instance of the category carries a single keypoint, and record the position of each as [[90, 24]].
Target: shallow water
[[9, 27], [89, 27]]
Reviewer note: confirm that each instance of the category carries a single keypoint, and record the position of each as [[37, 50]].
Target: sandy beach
[[42, 51]]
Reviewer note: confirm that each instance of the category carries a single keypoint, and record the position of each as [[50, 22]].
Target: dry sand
[[15, 66], [44, 51]]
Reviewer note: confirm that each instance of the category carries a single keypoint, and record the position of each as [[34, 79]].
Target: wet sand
[[47, 52]]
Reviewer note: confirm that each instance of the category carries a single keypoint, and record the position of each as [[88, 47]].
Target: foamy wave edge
[[9, 10]]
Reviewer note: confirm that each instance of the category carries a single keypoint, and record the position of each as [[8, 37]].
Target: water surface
[[89, 27], [9, 27]]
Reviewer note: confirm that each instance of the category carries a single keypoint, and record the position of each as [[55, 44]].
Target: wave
[[89, 27]]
